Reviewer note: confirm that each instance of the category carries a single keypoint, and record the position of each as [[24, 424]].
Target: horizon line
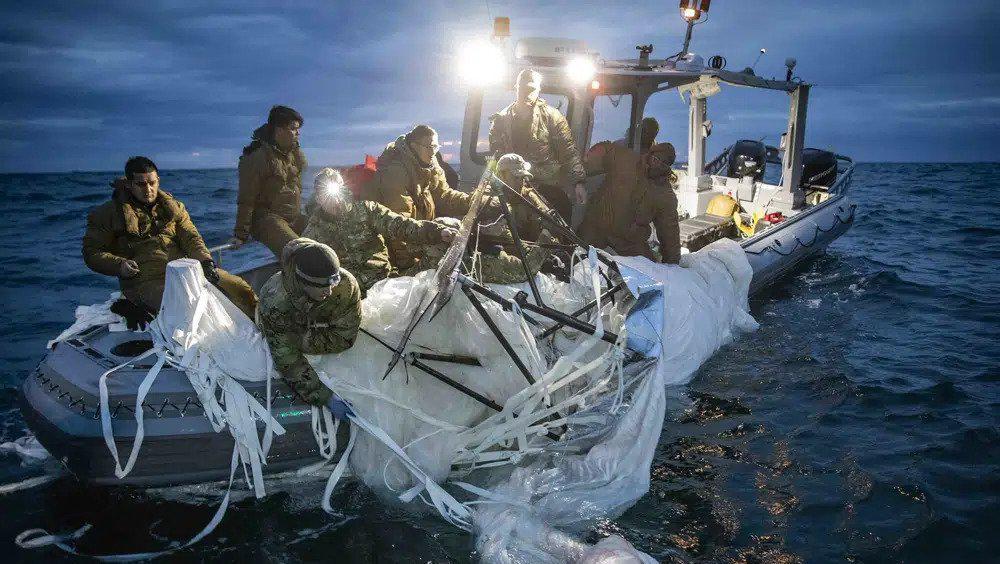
[[98, 171]]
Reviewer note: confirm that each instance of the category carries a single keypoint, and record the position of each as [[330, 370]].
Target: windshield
[[612, 117]]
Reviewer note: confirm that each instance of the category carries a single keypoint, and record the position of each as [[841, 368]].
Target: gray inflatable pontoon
[[60, 397], [59, 401]]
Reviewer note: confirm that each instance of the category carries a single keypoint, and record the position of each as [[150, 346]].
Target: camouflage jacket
[[359, 233], [122, 229], [270, 182], [551, 151], [408, 187], [295, 325]]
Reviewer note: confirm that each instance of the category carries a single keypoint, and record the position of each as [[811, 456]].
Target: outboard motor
[[747, 158], [819, 168]]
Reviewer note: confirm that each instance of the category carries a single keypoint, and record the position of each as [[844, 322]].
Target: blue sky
[[85, 85]]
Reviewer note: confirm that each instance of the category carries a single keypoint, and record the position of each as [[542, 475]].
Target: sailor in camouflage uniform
[[311, 307], [490, 263], [357, 230], [515, 172]]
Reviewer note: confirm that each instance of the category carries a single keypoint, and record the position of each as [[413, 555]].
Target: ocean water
[[860, 423]]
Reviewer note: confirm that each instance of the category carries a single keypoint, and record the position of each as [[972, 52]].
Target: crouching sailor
[[138, 232], [311, 307], [358, 229]]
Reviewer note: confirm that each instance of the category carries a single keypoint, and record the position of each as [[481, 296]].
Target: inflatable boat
[[779, 226]]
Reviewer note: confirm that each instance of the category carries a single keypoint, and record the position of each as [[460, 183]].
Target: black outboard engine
[[747, 158], [819, 168]]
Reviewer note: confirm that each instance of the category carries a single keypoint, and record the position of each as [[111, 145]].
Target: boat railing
[[715, 165], [219, 249], [843, 182]]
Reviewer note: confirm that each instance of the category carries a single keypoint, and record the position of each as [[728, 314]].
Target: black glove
[[493, 249], [211, 274], [137, 316]]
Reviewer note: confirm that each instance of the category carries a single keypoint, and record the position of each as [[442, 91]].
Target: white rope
[[39, 538], [140, 397], [338, 471]]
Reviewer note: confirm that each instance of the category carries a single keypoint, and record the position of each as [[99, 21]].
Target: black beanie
[[317, 265]]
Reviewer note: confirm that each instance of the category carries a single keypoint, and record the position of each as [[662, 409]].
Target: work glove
[[339, 408], [137, 316], [211, 273], [491, 249]]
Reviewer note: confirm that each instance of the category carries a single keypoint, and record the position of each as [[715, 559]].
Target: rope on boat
[[798, 242]]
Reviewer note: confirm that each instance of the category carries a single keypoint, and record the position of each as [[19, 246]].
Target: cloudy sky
[[85, 85]]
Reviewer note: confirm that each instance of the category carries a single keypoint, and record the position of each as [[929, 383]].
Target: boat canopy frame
[[619, 77]]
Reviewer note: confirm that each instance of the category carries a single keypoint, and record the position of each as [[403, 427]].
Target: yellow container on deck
[[722, 205]]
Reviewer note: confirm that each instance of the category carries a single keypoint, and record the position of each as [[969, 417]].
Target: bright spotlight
[[691, 10], [481, 64], [581, 70]]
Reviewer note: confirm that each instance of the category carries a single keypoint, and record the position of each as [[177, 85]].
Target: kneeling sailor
[[311, 307], [358, 230]]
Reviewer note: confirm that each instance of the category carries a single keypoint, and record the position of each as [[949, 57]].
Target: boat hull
[[59, 401], [778, 250]]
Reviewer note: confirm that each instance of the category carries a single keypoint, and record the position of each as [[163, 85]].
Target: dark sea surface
[[860, 423]]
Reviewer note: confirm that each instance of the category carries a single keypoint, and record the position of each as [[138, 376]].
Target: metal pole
[[456, 385], [518, 245], [453, 358], [687, 38], [467, 391], [469, 285], [582, 310], [496, 331]]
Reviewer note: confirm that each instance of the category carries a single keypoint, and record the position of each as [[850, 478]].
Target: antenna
[[754, 65], [790, 64]]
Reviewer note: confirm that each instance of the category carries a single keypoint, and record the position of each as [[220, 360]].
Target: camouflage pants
[[275, 231], [502, 268], [150, 294]]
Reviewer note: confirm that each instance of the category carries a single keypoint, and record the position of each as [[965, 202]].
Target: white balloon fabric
[[421, 432]]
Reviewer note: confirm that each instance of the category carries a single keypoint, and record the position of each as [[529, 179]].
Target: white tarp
[[682, 314], [523, 494]]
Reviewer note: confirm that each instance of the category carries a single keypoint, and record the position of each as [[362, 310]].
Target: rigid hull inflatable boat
[[778, 225]]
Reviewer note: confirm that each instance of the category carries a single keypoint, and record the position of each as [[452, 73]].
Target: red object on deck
[[775, 217], [357, 176]]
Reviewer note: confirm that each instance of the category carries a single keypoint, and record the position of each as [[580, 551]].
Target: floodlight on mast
[[691, 11]]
